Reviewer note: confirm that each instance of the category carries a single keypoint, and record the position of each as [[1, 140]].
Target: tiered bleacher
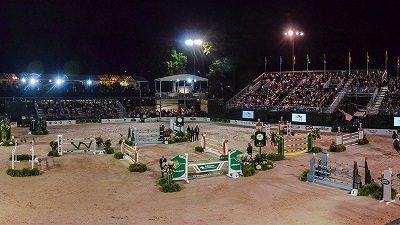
[[391, 102]]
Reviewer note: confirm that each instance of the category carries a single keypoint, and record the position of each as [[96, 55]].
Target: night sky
[[114, 36]]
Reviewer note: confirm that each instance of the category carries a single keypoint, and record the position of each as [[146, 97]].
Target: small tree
[[177, 64]]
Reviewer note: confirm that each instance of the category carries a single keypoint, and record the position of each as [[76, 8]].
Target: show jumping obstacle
[[340, 175], [388, 183], [146, 136], [88, 143], [130, 154], [14, 156], [190, 169], [214, 146], [295, 146], [351, 138], [279, 128]]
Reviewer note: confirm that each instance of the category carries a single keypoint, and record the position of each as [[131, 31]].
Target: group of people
[[193, 133], [305, 89]]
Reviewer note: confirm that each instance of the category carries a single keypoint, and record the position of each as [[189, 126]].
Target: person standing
[[188, 130], [192, 134], [163, 160], [394, 135], [197, 132], [250, 150]]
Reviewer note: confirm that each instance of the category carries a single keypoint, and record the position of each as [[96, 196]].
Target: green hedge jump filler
[[206, 167]]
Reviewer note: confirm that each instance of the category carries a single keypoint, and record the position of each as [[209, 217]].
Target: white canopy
[[182, 77]]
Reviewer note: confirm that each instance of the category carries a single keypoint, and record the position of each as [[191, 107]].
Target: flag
[[349, 58], [308, 60], [294, 60], [324, 58], [367, 58], [386, 56], [280, 60], [398, 62], [347, 116]]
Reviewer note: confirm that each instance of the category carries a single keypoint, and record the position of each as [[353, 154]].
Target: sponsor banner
[[122, 120], [13, 124], [60, 122], [243, 123], [386, 132], [201, 119]]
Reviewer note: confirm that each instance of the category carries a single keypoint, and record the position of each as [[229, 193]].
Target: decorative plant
[[275, 138], [315, 133], [167, 184], [99, 141], [5, 125]]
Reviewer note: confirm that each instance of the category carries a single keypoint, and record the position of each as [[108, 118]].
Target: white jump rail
[[90, 141], [130, 154], [14, 156]]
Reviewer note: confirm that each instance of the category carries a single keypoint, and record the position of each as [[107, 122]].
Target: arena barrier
[[340, 175], [77, 143], [146, 136], [130, 154], [206, 167], [295, 146], [388, 183], [14, 158], [350, 139], [214, 146]]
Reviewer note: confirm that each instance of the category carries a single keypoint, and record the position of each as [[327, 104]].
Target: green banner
[[208, 167], [259, 139], [235, 162], [179, 167]]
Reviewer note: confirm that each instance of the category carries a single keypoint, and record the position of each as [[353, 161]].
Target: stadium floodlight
[[50, 81], [177, 80], [189, 80], [189, 42], [32, 81], [59, 81], [89, 82], [198, 42], [23, 80], [292, 35], [194, 81]]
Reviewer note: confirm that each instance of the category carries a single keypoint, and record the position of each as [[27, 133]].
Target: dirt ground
[[97, 189]]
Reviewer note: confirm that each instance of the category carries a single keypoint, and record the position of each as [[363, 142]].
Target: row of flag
[[309, 61]]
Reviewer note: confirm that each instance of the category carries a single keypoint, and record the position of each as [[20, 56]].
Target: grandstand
[[125, 96]]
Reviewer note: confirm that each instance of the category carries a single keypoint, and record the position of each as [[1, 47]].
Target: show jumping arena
[[98, 189]]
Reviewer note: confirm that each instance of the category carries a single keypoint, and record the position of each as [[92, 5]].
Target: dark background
[[88, 37]]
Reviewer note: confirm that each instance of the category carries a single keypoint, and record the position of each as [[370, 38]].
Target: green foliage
[[262, 162], [252, 137], [198, 149], [275, 138], [137, 167], [40, 132], [7, 143], [53, 153], [25, 172], [109, 150], [337, 148], [118, 155], [220, 120], [266, 165], [22, 157], [53, 145], [363, 141], [170, 187], [179, 136], [248, 170], [88, 121], [315, 133], [208, 47], [5, 125], [315, 149], [275, 157], [177, 64], [374, 190], [223, 157], [107, 143], [303, 175]]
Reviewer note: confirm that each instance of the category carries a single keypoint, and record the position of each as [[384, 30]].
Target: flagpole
[[398, 65], [386, 58], [349, 62], [307, 63], [367, 62], [324, 64], [265, 65]]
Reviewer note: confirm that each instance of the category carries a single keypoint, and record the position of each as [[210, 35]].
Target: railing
[[372, 101], [175, 95], [286, 108], [245, 90]]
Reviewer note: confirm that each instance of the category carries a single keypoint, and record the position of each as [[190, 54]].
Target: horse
[[396, 145]]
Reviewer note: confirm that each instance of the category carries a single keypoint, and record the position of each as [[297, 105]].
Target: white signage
[[296, 117], [396, 121], [248, 114]]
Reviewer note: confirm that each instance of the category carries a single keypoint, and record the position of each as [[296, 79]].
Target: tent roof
[[181, 77]]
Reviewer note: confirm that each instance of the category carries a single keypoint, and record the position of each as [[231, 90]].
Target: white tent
[[182, 77]]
